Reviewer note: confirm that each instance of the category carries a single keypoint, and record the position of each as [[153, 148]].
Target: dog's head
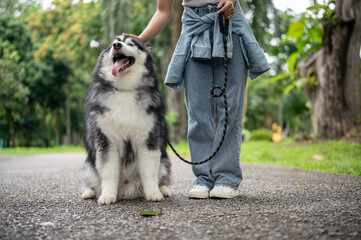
[[125, 62], [125, 52]]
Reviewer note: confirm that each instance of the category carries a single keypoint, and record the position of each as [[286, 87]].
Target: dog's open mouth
[[121, 62]]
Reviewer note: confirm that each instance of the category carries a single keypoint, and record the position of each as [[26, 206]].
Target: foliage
[[258, 13], [47, 57], [263, 102], [280, 47], [125, 16], [12, 7], [261, 134], [306, 33], [246, 134], [282, 99], [65, 32], [13, 90], [63, 37]]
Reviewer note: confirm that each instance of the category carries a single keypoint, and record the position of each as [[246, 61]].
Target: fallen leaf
[[146, 213], [300, 185]]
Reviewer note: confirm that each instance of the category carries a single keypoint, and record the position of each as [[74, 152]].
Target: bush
[[246, 134], [261, 134]]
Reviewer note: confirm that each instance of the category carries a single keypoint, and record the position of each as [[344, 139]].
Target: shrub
[[261, 134], [246, 134]]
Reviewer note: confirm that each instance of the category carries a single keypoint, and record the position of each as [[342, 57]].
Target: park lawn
[[38, 150], [328, 156]]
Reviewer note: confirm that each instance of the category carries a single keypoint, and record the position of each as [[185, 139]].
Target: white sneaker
[[199, 191], [223, 192]]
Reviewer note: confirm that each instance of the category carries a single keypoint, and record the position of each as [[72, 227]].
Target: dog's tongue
[[117, 66]]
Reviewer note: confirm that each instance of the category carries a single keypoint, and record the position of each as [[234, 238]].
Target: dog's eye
[[131, 44]]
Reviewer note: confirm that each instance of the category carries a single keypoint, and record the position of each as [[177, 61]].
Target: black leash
[[223, 24]]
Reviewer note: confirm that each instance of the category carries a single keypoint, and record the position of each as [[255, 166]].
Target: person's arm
[[158, 22], [227, 8]]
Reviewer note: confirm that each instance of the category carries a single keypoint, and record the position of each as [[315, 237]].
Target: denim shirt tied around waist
[[195, 42]]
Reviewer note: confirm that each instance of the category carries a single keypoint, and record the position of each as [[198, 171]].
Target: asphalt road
[[40, 199]]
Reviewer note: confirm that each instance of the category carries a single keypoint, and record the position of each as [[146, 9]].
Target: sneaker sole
[[222, 195], [198, 196]]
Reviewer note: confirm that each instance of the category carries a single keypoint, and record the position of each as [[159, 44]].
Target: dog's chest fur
[[126, 117]]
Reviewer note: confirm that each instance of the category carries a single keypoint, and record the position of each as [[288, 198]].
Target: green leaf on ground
[[146, 213]]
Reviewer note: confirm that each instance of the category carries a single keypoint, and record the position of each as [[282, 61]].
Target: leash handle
[[223, 24]]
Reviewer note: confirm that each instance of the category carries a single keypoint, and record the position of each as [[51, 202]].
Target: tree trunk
[[67, 113], [337, 98], [25, 134], [12, 128], [175, 100]]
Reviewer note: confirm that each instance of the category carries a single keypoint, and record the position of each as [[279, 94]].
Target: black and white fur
[[125, 130]]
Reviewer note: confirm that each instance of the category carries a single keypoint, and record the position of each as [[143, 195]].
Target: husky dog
[[125, 130]]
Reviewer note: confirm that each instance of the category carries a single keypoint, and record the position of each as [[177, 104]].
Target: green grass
[[37, 150], [328, 156]]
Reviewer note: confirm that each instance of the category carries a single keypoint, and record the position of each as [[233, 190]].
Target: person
[[198, 62]]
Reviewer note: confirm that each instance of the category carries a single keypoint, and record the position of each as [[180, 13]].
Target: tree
[[13, 91], [63, 35], [12, 7], [335, 71], [263, 26]]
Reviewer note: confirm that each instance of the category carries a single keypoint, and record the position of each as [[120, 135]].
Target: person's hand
[[139, 38], [227, 8]]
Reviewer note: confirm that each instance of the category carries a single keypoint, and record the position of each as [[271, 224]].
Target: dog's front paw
[[154, 196], [107, 198], [88, 194], [165, 191]]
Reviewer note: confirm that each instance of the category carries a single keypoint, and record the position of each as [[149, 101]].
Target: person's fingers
[[228, 14], [220, 4], [134, 36], [227, 10]]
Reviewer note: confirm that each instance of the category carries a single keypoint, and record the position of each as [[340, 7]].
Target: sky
[[296, 5]]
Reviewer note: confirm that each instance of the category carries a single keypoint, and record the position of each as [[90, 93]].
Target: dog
[[125, 132]]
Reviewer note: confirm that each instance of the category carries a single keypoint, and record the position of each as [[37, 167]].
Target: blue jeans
[[203, 136]]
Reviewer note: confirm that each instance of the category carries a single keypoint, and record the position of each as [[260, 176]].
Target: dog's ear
[[149, 46]]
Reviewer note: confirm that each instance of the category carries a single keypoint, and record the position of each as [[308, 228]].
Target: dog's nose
[[117, 46]]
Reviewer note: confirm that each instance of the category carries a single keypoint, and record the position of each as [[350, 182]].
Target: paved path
[[40, 199]]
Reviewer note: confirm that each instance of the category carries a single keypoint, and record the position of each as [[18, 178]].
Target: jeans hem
[[198, 182]]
